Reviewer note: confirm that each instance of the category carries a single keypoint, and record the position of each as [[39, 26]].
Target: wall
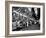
[[2, 19]]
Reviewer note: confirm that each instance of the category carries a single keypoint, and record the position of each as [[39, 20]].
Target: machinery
[[22, 17]]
